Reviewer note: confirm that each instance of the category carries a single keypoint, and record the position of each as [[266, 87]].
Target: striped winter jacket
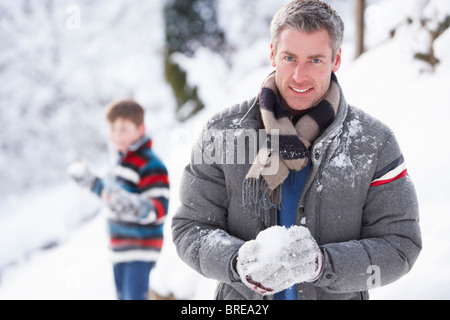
[[141, 172]]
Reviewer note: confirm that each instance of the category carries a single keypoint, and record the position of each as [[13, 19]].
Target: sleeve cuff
[[328, 276]]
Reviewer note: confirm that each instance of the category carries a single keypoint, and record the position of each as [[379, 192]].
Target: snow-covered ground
[[386, 82], [76, 270]]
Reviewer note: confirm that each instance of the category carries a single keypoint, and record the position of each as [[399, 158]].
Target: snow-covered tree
[[60, 63]]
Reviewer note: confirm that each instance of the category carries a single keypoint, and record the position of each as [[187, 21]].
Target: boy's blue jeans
[[132, 279]]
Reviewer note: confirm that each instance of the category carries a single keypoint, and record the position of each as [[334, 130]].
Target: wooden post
[[360, 6]]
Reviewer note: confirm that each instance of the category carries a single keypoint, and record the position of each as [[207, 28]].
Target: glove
[[302, 256], [81, 174], [254, 271], [127, 206], [293, 257]]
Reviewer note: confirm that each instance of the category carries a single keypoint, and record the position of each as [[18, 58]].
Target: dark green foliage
[[189, 24], [185, 96]]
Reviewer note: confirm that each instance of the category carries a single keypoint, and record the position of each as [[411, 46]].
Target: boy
[[135, 196]]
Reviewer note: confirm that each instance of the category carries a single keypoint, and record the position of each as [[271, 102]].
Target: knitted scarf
[[295, 134]]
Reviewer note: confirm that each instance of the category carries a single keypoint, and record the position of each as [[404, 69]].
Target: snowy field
[[49, 256]]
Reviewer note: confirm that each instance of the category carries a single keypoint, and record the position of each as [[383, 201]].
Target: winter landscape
[[62, 61]]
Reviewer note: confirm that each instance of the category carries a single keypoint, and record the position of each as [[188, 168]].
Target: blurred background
[[62, 61]]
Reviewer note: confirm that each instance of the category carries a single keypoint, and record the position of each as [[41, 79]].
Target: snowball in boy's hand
[[80, 173], [77, 169]]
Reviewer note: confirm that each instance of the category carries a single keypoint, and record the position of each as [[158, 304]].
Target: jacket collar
[[135, 146], [252, 119]]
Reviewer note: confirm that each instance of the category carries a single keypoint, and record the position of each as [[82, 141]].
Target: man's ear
[[272, 56], [337, 61]]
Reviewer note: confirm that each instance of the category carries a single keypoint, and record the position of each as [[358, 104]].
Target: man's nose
[[300, 73]]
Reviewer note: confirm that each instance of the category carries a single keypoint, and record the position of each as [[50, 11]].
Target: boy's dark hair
[[127, 109]]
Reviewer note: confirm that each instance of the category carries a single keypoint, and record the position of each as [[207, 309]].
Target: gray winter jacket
[[369, 234]]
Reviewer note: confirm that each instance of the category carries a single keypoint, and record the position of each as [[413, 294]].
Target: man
[[326, 209]]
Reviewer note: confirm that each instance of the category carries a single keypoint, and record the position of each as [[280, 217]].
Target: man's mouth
[[301, 91]]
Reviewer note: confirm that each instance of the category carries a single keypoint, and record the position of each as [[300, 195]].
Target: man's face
[[304, 63], [124, 132]]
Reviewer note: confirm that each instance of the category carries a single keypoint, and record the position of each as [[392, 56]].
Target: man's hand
[[302, 256], [295, 259], [254, 271], [81, 174]]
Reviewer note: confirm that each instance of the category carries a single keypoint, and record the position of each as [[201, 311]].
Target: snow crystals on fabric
[[356, 165]]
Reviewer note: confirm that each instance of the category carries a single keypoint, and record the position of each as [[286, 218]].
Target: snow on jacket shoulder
[[358, 202]]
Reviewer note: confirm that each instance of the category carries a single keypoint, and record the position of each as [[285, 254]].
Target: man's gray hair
[[309, 16]]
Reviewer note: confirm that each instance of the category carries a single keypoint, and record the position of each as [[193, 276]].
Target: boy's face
[[124, 132]]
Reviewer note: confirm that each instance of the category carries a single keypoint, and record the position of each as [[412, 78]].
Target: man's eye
[[316, 60], [290, 59]]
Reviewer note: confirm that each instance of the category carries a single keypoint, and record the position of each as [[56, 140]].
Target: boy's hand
[[126, 206], [80, 173]]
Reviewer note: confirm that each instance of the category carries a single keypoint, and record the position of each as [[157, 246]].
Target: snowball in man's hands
[[296, 233], [261, 257], [270, 242], [248, 252], [277, 259]]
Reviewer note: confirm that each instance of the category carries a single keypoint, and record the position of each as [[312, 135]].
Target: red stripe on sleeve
[[134, 160], [381, 182], [147, 181], [160, 209]]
